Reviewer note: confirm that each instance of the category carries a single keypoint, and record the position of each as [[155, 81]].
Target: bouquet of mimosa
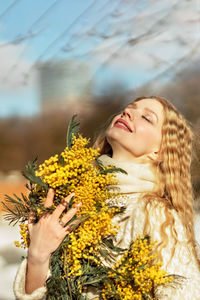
[[78, 261]]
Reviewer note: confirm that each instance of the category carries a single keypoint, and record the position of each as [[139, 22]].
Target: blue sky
[[17, 21], [127, 41]]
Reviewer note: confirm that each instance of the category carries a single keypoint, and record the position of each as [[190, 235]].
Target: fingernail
[[72, 194], [78, 205], [64, 202]]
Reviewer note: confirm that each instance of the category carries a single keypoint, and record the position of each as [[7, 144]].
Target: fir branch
[[73, 127]]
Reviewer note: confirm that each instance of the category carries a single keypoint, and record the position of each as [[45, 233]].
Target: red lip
[[123, 122]]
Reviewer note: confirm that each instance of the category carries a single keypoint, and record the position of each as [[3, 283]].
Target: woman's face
[[136, 133]]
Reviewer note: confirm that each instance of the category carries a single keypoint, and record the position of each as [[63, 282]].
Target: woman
[[151, 140]]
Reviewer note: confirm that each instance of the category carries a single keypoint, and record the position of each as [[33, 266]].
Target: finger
[[75, 223], [65, 218], [49, 200], [31, 218], [61, 207], [30, 226], [72, 226], [69, 215]]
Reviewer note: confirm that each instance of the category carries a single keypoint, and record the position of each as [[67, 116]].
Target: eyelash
[[146, 119]]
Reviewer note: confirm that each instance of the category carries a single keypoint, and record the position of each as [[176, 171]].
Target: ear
[[153, 155]]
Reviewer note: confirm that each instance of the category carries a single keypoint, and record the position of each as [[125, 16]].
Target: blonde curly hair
[[172, 169]]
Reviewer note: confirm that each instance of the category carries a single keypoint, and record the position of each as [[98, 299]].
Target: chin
[[113, 134]]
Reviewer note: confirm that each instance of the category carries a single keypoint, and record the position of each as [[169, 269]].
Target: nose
[[127, 112]]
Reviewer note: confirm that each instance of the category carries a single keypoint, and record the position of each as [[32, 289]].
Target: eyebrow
[[145, 108]]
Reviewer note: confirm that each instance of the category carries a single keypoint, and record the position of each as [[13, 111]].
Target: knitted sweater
[[140, 179]]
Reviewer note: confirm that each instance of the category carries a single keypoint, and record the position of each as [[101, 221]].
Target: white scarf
[[140, 177]]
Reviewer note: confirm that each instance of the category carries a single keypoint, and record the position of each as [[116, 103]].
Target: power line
[[28, 36], [67, 47], [44, 14], [178, 63], [102, 36], [129, 41], [60, 36], [29, 33], [19, 40], [9, 8], [133, 41]]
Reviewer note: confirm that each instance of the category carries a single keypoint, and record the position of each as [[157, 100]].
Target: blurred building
[[64, 84]]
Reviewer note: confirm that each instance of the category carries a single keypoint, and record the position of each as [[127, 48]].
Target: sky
[[128, 41]]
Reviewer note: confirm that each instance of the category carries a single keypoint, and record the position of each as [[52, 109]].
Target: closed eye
[[147, 119]]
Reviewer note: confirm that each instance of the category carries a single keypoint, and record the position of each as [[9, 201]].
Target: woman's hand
[[45, 237], [48, 233]]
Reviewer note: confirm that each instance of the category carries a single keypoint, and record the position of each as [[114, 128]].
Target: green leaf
[[106, 254], [81, 297], [61, 161], [96, 279], [17, 201], [113, 170], [34, 179], [70, 203], [72, 128], [121, 209], [18, 211], [110, 245], [99, 164], [141, 267], [29, 174]]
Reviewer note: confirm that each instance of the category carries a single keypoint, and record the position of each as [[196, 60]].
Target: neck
[[140, 177], [129, 157]]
